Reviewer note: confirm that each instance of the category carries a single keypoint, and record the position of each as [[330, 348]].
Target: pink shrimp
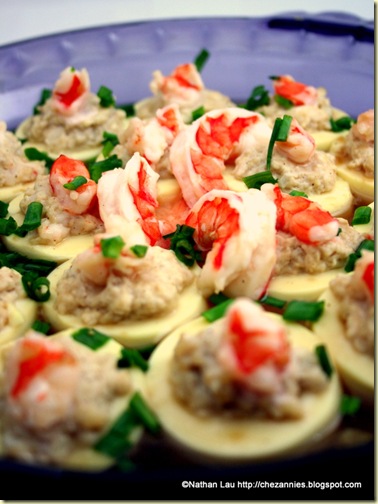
[[364, 269], [183, 85], [297, 92], [127, 201], [299, 146], [363, 129], [255, 348], [302, 217], [75, 201], [70, 91], [237, 232], [41, 376], [200, 152]]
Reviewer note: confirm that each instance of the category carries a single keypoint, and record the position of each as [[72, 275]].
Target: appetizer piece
[[69, 213], [17, 173], [73, 119], [355, 157], [347, 326], [363, 221], [309, 105], [312, 246], [56, 411], [184, 87], [17, 311], [246, 387]]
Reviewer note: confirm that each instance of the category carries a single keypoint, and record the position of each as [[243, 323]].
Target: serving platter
[[332, 50]]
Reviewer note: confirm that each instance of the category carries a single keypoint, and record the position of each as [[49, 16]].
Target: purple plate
[[332, 50]]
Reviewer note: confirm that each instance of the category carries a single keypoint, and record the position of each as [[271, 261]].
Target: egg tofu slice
[[362, 187], [22, 313], [231, 439]]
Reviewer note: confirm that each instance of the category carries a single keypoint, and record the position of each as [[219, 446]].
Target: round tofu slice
[[338, 202], [66, 249], [130, 333], [362, 187], [324, 139], [355, 368], [231, 439], [7, 194], [21, 315]]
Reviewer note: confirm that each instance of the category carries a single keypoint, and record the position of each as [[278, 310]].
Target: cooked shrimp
[[70, 91], [182, 86], [127, 202], [363, 129], [302, 217], [237, 231], [41, 376], [364, 270], [255, 348], [297, 92], [199, 153], [299, 146], [75, 201]]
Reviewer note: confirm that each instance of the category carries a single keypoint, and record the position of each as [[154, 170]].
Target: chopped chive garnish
[[298, 193], [99, 167], [110, 140], [198, 112], [139, 250], [201, 59], [256, 180], [283, 102], [128, 108], [3, 209], [303, 310], [339, 231], [32, 219], [36, 287], [106, 97], [280, 133], [351, 261], [41, 326], [258, 97], [362, 215], [34, 154], [112, 247], [24, 264], [349, 405], [342, 124], [217, 311], [131, 357], [116, 442], [45, 95], [183, 245], [147, 417], [90, 337], [75, 183], [216, 299], [325, 363], [8, 226], [272, 301]]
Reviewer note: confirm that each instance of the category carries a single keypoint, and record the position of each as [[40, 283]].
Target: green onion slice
[[217, 311], [32, 219], [41, 326], [128, 108], [131, 357], [99, 167], [325, 363], [201, 59], [342, 124], [362, 215], [146, 416], [106, 97], [3, 209], [280, 133], [303, 310], [110, 140], [112, 247], [349, 405], [198, 112], [183, 244], [75, 183], [36, 287], [45, 95], [259, 97], [256, 180], [294, 192], [34, 154], [8, 226], [116, 442], [90, 337], [283, 102], [354, 256], [272, 301], [139, 250]]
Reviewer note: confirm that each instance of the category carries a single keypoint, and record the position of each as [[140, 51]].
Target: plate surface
[[330, 50]]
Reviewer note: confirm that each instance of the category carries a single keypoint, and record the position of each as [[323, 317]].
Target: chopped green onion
[[36, 287], [8, 226], [41, 326], [342, 124], [116, 441], [256, 180], [109, 142], [32, 219], [283, 102], [139, 250], [198, 112], [201, 59], [298, 193], [75, 183], [325, 363], [183, 245], [354, 256], [274, 77], [34, 154], [217, 311], [99, 167], [349, 405], [3, 209], [280, 133], [362, 215], [339, 231], [272, 301], [106, 97], [131, 357], [258, 97], [147, 417], [24, 264], [128, 108], [90, 337], [303, 310], [216, 299], [45, 95], [112, 247]]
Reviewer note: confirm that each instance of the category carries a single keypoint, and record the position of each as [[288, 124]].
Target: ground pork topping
[[15, 168], [11, 290], [354, 294], [295, 256], [207, 378], [130, 287], [56, 223], [73, 408]]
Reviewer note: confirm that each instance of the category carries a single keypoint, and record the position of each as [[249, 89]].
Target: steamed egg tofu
[[66, 249], [129, 332], [228, 439], [21, 315], [361, 186], [7, 194]]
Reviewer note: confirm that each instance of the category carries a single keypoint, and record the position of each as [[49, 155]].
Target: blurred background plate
[[332, 50]]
